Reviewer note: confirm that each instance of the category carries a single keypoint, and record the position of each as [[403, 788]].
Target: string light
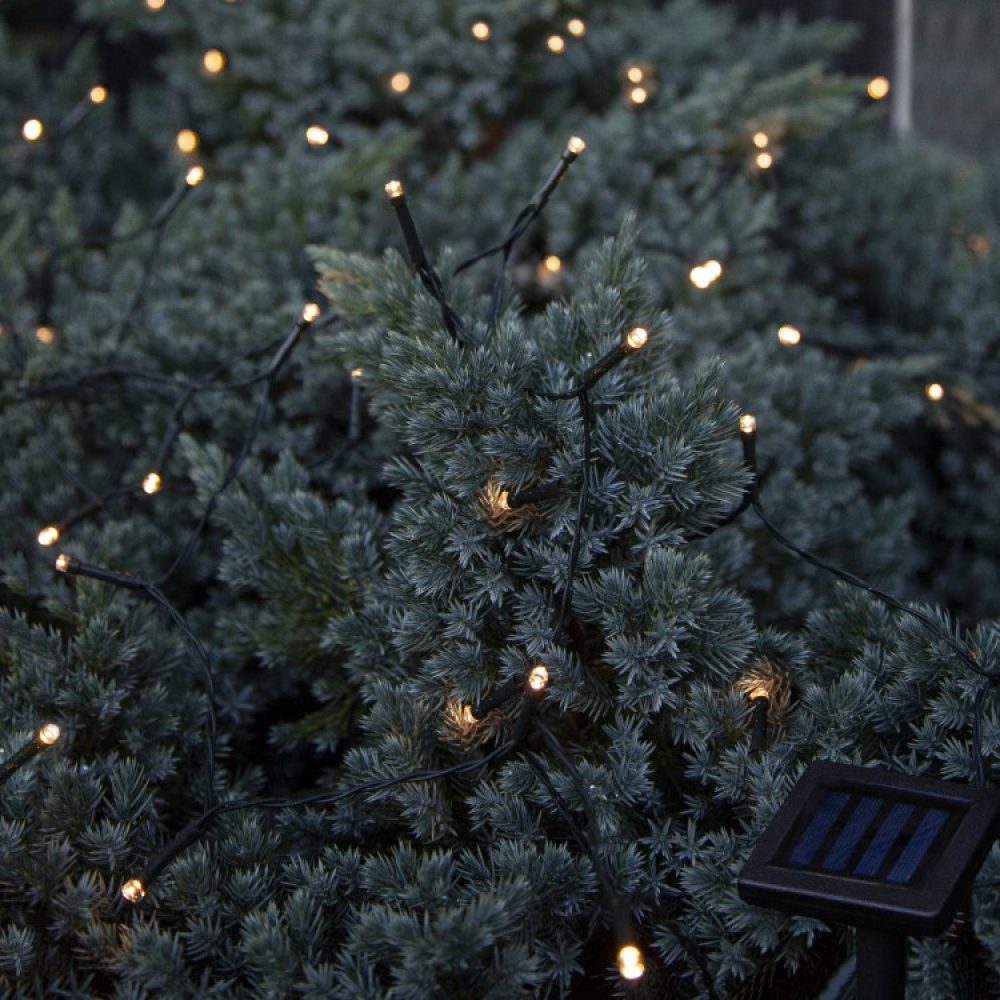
[[214, 61], [45, 335], [310, 312], [357, 373], [748, 437], [635, 74], [934, 391], [49, 535], [98, 95], [636, 338], [62, 562], [789, 335], [400, 82], [32, 129], [703, 275], [575, 145], [316, 135], [878, 87], [761, 139], [556, 44], [764, 160], [48, 734], [133, 890], [551, 264], [480, 31], [187, 140], [538, 678], [630, 962], [638, 95], [156, 4], [394, 189], [152, 483], [194, 176], [576, 27]]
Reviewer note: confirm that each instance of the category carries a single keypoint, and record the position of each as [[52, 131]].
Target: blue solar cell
[[920, 842], [850, 836], [882, 842], [810, 841]]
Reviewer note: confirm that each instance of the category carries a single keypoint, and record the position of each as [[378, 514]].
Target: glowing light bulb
[[764, 161], [556, 44], [98, 95], [538, 679], [630, 963], [316, 135], [576, 145], [878, 87], [151, 484], [133, 890], [636, 338], [576, 27], [552, 264], [394, 189], [400, 82], [62, 562], [761, 139], [635, 74], [187, 140], [49, 535], [32, 129], [310, 312], [748, 424], [934, 391], [480, 31], [713, 269], [45, 335], [789, 335], [638, 95], [357, 372], [156, 4], [48, 734], [194, 176], [214, 61]]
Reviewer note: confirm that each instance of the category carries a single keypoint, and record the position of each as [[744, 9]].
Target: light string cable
[[991, 677], [574, 147], [453, 323], [75, 567], [45, 737], [134, 889]]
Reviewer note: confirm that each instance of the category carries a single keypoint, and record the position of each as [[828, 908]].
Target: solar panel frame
[[810, 864]]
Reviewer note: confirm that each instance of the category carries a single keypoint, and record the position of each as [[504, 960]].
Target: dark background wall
[[956, 60]]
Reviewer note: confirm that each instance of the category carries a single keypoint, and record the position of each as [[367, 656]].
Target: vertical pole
[[881, 965], [902, 84]]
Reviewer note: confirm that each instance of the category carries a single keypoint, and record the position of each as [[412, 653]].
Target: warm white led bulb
[[576, 145], [98, 95], [576, 27], [357, 373], [748, 423], [214, 61], [480, 31], [49, 535], [152, 483], [194, 176], [761, 139], [635, 74], [630, 963], [310, 312], [32, 129], [713, 269], [538, 679], [400, 82], [62, 562], [638, 95], [764, 161], [316, 135], [45, 335], [48, 734], [394, 189], [789, 335], [133, 890], [636, 338], [934, 391], [187, 140], [878, 87], [556, 44]]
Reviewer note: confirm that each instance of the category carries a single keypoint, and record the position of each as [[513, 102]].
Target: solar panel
[[870, 847]]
